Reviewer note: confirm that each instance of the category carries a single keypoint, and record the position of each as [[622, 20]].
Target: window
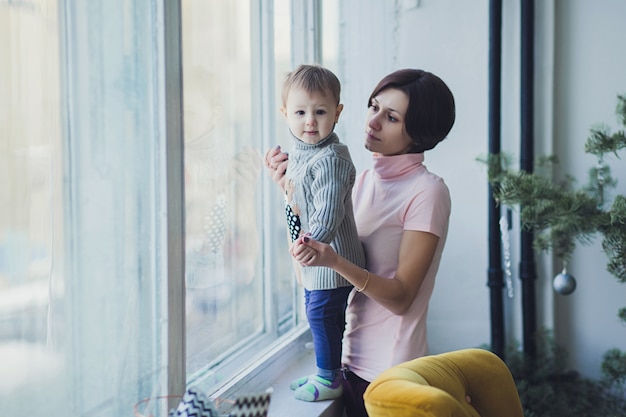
[[240, 295], [101, 177]]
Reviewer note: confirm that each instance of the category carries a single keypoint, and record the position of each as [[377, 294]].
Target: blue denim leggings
[[326, 312]]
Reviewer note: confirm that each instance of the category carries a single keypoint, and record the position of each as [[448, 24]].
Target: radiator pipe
[[495, 273], [527, 262]]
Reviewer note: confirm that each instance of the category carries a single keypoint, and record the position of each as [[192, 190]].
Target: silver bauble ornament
[[564, 283]]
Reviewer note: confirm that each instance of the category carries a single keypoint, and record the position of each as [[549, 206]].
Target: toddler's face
[[311, 116]]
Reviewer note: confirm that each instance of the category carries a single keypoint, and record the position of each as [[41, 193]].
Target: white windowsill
[[276, 370], [284, 404]]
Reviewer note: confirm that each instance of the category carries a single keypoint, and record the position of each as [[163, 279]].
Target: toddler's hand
[[303, 254]]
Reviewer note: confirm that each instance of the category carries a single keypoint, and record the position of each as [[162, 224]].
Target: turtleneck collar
[[387, 167], [299, 144]]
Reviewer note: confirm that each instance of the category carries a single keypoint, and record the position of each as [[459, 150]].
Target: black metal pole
[[527, 261], [495, 274]]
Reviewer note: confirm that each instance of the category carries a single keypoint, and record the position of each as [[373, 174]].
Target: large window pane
[[222, 168], [239, 285]]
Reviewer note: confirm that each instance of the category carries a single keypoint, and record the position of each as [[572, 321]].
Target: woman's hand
[[276, 162]]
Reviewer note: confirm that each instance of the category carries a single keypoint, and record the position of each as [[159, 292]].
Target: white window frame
[[175, 204]]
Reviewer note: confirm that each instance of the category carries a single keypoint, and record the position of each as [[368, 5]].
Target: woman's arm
[[417, 250]]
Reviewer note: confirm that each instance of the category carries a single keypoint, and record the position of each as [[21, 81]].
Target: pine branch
[[621, 109], [614, 243], [561, 217], [601, 142], [622, 314]]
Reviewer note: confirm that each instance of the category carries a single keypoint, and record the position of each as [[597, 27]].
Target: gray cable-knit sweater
[[318, 200]]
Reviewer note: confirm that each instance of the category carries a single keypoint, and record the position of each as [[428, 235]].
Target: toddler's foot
[[319, 389], [297, 383]]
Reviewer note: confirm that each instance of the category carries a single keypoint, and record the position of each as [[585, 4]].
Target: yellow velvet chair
[[462, 383]]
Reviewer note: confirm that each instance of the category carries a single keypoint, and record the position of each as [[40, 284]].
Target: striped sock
[[319, 389], [297, 383]]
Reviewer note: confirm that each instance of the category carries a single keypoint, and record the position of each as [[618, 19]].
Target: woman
[[401, 212]]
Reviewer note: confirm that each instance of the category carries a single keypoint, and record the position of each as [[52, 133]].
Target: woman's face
[[385, 132]]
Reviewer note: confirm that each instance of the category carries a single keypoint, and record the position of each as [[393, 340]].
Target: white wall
[[578, 74], [432, 38]]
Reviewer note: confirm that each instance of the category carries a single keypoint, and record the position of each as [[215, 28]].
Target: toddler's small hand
[[301, 253]]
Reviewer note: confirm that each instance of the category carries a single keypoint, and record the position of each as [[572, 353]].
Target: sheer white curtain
[[31, 266], [83, 238]]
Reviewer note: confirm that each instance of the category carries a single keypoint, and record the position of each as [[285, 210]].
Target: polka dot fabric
[[293, 223]]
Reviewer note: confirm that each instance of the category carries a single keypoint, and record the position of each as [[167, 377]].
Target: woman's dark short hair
[[431, 111]]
